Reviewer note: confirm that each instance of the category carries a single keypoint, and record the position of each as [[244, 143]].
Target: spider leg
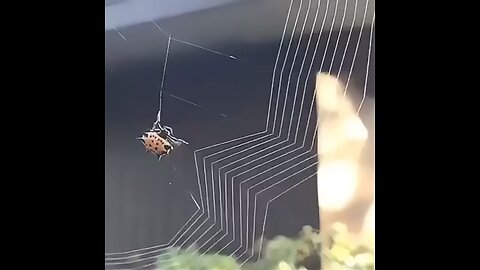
[[157, 126], [169, 130], [158, 129], [176, 141], [157, 122], [182, 141]]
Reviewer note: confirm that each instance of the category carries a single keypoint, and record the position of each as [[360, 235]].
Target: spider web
[[284, 156]]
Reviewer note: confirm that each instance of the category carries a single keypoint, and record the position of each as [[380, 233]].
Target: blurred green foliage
[[335, 250]]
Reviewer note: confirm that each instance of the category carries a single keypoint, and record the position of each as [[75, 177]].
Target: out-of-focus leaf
[[337, 251]]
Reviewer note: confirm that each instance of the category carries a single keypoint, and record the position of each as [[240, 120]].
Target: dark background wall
[[147, 201]]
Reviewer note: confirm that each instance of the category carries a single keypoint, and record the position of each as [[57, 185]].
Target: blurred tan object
[[337, 182], [345, 178], [369, 226], [341, 138]]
